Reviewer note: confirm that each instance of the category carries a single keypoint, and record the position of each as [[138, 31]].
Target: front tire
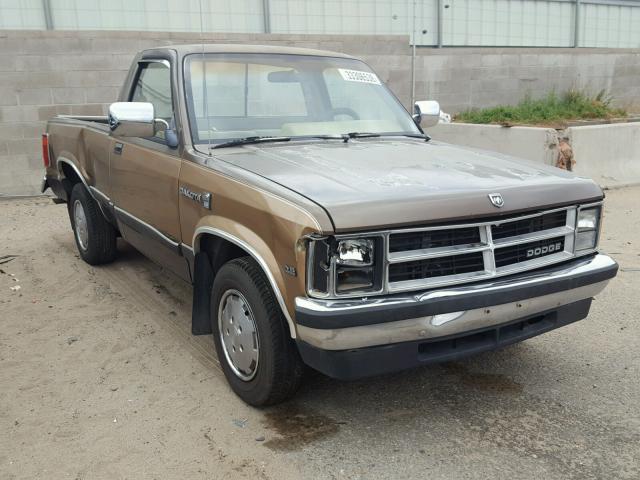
[[251, 336], [95, 237]]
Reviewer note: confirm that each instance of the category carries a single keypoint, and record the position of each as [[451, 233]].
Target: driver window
[[154, 86]]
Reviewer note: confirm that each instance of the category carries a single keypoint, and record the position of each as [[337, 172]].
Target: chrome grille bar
[[532, 237], [424, 253], [564, 234]]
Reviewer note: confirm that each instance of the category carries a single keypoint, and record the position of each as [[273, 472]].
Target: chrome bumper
[[350, 324]]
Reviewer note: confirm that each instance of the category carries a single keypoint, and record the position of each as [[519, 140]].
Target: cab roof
[[242, 48]]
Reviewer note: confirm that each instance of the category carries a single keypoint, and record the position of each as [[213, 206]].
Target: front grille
[[433, 239], [436, 267], [546, 221], [528, 251], [438, 256]]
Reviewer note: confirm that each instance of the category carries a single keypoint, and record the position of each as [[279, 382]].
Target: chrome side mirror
[[426, 113], [132, 119]]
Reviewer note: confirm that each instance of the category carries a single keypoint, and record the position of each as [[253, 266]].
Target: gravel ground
[[100, 378]]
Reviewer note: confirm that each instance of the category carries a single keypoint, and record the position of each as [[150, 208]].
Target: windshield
[[233, 96]]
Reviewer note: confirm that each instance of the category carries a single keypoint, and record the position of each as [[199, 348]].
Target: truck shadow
[[323, 406]]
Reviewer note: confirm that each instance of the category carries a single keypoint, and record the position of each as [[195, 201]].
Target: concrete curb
[[607, 153]]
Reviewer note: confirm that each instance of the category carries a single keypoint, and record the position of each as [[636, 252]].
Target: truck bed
[[79, 145]]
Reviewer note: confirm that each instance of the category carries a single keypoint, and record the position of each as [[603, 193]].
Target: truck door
[[144, 174]]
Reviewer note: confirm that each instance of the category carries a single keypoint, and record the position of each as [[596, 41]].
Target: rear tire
[[256, 352], [95, 237]]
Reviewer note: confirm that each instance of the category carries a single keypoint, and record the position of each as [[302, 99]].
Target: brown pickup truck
[[316, 220]]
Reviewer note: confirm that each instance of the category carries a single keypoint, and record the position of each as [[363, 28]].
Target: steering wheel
[[345, 111]]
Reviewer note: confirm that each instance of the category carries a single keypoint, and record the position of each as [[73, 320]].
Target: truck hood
[[378, 183]]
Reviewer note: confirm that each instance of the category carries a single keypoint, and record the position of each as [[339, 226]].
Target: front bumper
[[334, 335]]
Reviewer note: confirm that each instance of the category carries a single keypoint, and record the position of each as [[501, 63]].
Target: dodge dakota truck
[[318, 223]]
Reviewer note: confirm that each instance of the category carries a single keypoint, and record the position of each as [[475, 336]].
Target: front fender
[[257, 248]]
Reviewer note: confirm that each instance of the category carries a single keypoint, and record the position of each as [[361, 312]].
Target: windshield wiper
[[320, 137], [249, 140], [423, 136], [345, 137], [350, 135]]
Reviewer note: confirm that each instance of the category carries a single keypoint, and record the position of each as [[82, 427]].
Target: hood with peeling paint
[[380, 183]]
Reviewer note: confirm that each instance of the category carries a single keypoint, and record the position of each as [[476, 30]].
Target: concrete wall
[[609, 154], [44, 73], [533, 143]]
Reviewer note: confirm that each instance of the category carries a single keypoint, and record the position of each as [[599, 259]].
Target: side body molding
[[256, 256]]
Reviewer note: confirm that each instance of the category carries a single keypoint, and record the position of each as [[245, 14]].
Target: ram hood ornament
[[496, 199]]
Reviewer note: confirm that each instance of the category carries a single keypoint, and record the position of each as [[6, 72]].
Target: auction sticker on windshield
[[359, 76]]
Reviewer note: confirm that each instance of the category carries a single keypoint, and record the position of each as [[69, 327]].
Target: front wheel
[[258, 357]]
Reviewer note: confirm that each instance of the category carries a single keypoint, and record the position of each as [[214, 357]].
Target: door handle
[[117, 149]]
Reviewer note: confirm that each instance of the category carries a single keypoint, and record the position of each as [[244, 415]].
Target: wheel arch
[[72, 173], [205, 233]]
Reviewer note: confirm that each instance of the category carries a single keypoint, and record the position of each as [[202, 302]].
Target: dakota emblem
[[203, 199], [496, 199]]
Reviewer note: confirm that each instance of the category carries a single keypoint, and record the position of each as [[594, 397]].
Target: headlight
[[355, 253], [588, 219], [587, 227], [344, 266]]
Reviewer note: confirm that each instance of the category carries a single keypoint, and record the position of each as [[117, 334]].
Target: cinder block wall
[[44, 73], [462, 78]]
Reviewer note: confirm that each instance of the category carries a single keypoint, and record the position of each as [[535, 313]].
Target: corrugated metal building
[[526, 23]]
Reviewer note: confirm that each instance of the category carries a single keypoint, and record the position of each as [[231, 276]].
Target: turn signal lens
[[354, 279], [586, 240], [45, 150]]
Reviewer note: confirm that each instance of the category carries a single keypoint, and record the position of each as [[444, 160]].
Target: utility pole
[[266, 16], [413, 58], [439, 23], [576, 25], [48, 18]]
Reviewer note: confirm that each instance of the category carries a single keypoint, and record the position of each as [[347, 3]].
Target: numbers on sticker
[[359, 76]]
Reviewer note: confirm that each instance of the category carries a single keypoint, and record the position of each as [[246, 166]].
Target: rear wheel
[[95, 237], [257, 355]]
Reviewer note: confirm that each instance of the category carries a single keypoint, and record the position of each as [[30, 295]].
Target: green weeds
[[553, 109]]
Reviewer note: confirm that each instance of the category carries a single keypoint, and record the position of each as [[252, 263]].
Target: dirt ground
[[100, 378]]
